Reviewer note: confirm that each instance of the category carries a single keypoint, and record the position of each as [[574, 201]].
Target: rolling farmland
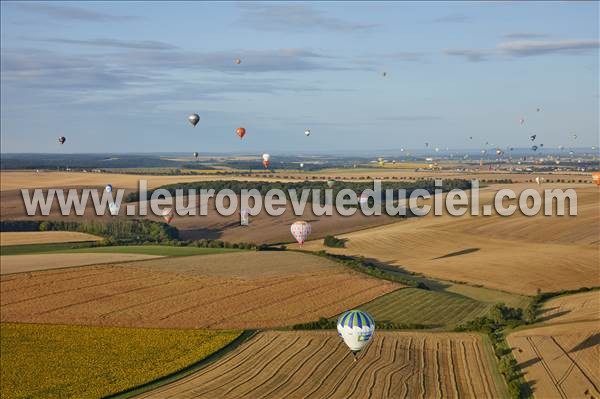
[[44, 237], [236, 290], [570, 308], [417, 306], [560, 361], [318, 364]]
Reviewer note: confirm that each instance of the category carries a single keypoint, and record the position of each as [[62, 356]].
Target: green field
[[163, 250], [417, 306], [50, 361], [490, 296]]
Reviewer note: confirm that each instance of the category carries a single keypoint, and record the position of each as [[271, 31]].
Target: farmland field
[[570, 308], [44, 237], [29, 263], [318, 364], [560, 361], [417, 306], [53, 361], [235, 290], [473, 250], [158, 250]]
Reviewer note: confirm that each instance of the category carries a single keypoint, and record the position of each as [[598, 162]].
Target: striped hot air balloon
[[356, 328], [301, 230]]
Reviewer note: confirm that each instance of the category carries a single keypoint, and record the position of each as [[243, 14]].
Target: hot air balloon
[[534, 147], [574, 136], [301, 165], [483, 152], [437, 149], [596, 178], [532, 137], [194, 119], [356, 328], [401, 149], [541, 144], [108, 188], [307, 132], [168, 214], [384, 74], [244, 216], [330, 183], [363, 199], [266, 160], [426, 144], [470, 137], [538, 181], [62, 139], [571, 152], [499, 151], [300, 230], [521, 121], [538, 109], [241, 132], [561, 147], [238, 61], [113, 207], [196, 155]]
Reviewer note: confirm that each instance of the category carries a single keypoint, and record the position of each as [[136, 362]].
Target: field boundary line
[[246, 335]]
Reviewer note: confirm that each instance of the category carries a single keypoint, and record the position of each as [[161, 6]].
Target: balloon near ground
[[301, 230], [194, 119], [596, 178], [356, 328], [168, 215], [266, 160]]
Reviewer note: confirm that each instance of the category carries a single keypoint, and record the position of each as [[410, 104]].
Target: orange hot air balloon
[[241, 132], [168, 214], [596, 178]]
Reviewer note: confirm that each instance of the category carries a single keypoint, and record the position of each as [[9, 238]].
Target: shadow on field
[[553, 315], [590, 341], [458, 253]]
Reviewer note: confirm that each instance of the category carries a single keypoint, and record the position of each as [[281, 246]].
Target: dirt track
[[193, 294], [560, 361], [317, 364]]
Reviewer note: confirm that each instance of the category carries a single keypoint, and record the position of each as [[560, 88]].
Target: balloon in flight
[[356, 329], [301, 230], [62, 139], [266, 160], [238, 61], [168, 214], [113, 207], [330, 183], [108, 188], [196, 155], [241, 132], [534, 147], [596, 178], [532, 137], [194, 119], [307, 132]]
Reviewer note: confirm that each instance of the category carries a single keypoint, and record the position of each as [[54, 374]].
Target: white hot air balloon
[[356, 328], [108, 188], [301, 165], [113, 207], [244, 216], [300, 230], [307, 132]]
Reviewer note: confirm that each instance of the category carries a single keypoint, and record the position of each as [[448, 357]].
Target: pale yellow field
[[28, 263], [515, 253], [560, 361], [44, 237], [570, 308]]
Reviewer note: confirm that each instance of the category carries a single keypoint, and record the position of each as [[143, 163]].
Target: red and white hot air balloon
[[168, 214], [266, 160], [301, 230]]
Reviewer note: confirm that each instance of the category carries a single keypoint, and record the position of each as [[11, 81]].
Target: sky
[[124, 76]]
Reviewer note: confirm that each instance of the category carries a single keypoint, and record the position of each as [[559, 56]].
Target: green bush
[[334, 242]]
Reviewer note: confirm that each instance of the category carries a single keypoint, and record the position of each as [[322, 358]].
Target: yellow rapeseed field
[[56, 361]]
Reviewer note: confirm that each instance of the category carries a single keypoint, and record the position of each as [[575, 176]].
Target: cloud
[[453, 19], [413, 118], [525, 35], [469, 55], [407, 56], [531, 48], [294, 17], [64, 12], [101, 42]]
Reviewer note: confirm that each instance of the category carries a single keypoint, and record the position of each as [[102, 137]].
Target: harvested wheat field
[[560, 361], [29, 263], [516, 256], [44, 237], [317, 364], [570, 308], [238, 290]]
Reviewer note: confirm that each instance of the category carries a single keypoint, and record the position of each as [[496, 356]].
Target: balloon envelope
[[307, 132], [167, 215], [241, 132], [113, 207], [108, 188], [62, 139], [356, 328], [301, 230], [194, 119]]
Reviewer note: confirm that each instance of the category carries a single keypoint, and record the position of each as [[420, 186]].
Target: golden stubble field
[[44, 237], [560, 360], [234, 290], [318, 364], [515, 253]]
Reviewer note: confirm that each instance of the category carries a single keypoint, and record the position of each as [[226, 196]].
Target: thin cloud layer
[[293, 17], [64, 12], [468, 55], [116, 43], [453, 19], [531, 48], [525, 35]]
